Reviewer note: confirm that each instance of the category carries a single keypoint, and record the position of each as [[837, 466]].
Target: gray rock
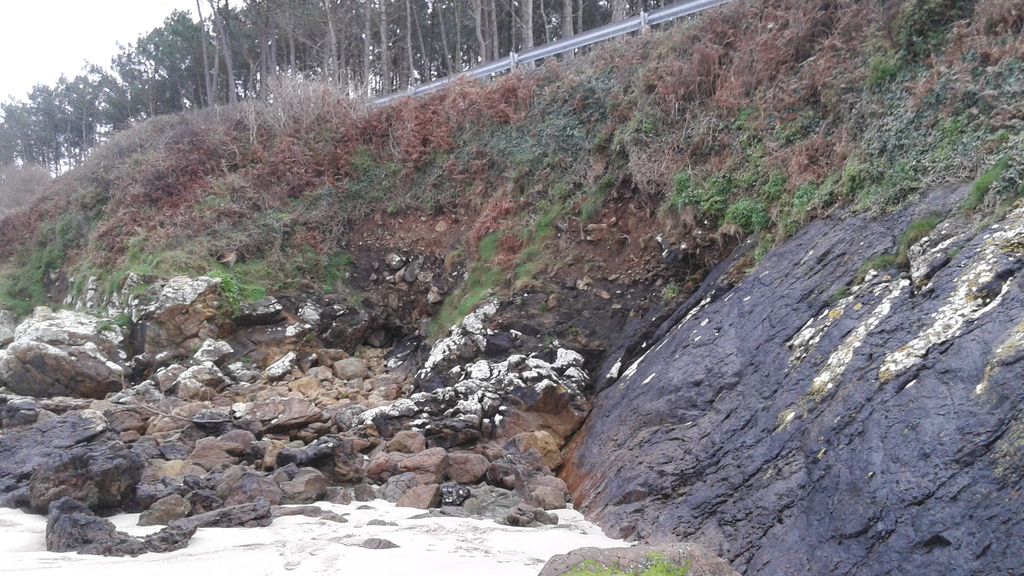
[[378, 544], [351, 369], [24, 450], [101, 475], [252, 514], [8, 322], [524, 515], [165, 510], [73, 527], [213, 351]]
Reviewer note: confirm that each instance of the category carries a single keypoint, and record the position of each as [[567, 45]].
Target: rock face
[[792, 427], [694, 558], [63, 354], [184, 315], [8, 323]]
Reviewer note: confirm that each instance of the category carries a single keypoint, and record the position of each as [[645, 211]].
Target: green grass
[[981, 187], [657, 566], [749, 214], [880, 263], [913, 234], [484, 278]]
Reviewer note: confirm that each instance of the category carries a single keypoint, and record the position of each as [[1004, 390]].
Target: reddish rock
[[467, 467], [408, 442], [429, 466], [422, 497]]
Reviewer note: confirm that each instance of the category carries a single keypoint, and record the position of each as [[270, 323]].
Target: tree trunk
[[478, 21], [225, 44], [424, 61], [495, 39], [444, 43], [526, 24], [367, 44], [332, 40], [385, 56], [458, 36], [409, 65], [544, 20], [210, 96], [618, 10]]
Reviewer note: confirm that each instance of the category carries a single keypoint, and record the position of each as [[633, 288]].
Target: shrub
[[750, 215]]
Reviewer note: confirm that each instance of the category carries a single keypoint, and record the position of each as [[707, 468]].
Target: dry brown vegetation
[[754, 118]]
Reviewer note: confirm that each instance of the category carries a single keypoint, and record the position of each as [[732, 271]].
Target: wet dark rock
[[72, 527], [792, 430], [102, 475], [251, 514], [454, 495]]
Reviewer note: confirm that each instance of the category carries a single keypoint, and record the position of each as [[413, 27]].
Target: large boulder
[[72, 527], [26, 449], [683, 557], [184, 315], [64, 353], [101, 475]]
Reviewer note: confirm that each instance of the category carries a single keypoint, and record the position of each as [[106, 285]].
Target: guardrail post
[[513, 60], [644, 26]]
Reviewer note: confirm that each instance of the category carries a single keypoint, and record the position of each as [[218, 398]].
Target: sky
[[42, 39]]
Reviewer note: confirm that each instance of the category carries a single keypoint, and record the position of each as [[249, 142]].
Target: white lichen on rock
[[839, 360], [972, 296]]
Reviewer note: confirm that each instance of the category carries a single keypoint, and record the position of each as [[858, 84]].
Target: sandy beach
[[303, 545]]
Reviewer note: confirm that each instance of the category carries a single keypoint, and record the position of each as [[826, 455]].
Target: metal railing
[[573, 43]]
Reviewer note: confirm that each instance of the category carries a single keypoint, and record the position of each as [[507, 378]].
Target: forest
[[242, 49]]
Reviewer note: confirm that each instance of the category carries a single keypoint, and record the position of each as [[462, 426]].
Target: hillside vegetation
[[750, 120]]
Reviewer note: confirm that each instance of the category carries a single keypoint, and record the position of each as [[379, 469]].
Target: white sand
[[302, 545]]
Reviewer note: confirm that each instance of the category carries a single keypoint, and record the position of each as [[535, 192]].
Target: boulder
[[184, 315], [467, 467], [308, 486], [378, 544], [240, 485], [454, 495], [689, 557], [39, 369], [543, 442], [429, 466], [351, 369], [72, 527], [213, 351], [277, 414], [281, 367], [165, 510], [24, 450], [524, 515], [408, 442], [213, 454], [251, 514], [423, 497], [169, 470], [101, 475]]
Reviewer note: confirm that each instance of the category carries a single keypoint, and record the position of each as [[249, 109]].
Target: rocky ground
[[203, 415]]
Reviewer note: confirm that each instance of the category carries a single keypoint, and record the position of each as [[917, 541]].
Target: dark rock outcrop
[[795, 426], [24, 450], [72, 527]]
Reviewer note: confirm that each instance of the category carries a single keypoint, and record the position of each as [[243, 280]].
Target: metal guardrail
[[588, 38]]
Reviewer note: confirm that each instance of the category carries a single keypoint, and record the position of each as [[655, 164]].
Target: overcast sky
[[42, 39]]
